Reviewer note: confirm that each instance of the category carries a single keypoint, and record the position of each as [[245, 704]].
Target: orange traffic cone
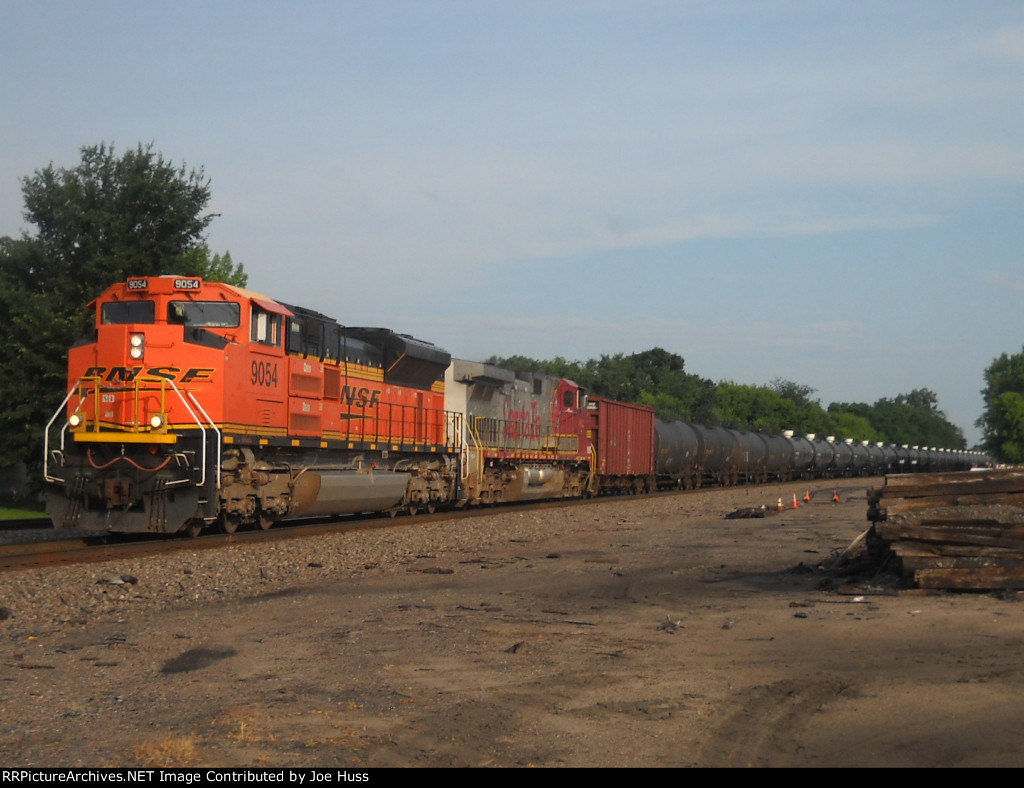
[[795, 504], [807, 497], [781, 507], [835, 496]]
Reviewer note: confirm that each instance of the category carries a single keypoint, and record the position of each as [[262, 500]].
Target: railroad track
[[26, 524], [101, 548]]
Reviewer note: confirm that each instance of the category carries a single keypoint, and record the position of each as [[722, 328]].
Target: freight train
[[197, 404]]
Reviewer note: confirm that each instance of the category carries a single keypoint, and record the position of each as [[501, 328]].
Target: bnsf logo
[[361, 397], [127, 375]]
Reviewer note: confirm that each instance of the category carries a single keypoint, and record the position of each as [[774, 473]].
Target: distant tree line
[[658, 378]]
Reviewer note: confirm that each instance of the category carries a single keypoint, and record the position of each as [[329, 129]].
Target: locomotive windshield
[[122, 312], [204, 314]]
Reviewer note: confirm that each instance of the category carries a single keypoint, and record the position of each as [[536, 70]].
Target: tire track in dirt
[[766, 729]]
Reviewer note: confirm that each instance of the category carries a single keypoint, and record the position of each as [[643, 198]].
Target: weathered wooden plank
[[893, 530], [1014, 503], [971, 579], [979, 486], [919, 562], [1015, 498], [945, 490], [908, 481], [939, 550], [989, 537]]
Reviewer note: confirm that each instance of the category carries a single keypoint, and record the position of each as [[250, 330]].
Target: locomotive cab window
[[569, 400], [123, 312], [265, 327], [204, 314]]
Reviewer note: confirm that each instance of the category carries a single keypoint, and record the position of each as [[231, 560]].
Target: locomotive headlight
[[75, 419], [156, 421], [137, 346]]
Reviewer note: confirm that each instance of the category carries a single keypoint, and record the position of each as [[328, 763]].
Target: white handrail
[[216, 431], [46, 435]]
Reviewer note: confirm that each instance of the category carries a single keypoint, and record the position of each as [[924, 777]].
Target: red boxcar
[[623, 436]]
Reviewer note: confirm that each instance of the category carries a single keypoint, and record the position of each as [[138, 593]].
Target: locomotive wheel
[[412, 509], [227, 524], [193, 528], [430, 507], [265, 520]]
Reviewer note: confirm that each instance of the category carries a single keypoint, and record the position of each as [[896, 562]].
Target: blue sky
[[826, 192]]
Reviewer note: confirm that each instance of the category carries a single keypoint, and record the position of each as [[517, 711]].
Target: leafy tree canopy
[[795, 392], [1002, 421], [768, 409], [109, 217], [911, 419]]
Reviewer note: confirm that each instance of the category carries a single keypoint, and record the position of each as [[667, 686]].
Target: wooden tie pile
[[954, 530]]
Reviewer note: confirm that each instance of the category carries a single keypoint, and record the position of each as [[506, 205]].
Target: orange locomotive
[[196, 403]]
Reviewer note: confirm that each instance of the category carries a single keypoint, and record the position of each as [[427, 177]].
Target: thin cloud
[[1004, 279], [1006, 44]]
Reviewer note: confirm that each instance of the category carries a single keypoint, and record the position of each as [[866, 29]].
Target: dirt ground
[[648, 634]]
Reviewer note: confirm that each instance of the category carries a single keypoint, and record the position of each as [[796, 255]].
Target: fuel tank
[[345, 492]]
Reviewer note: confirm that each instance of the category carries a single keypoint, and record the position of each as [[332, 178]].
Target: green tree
[[782, 405], [33, 353], [795, 392], [907, 419], [559, 367], [849, 425], [108, 218], [652, 377], [658, 378], [1002, 421], [215, 268]]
